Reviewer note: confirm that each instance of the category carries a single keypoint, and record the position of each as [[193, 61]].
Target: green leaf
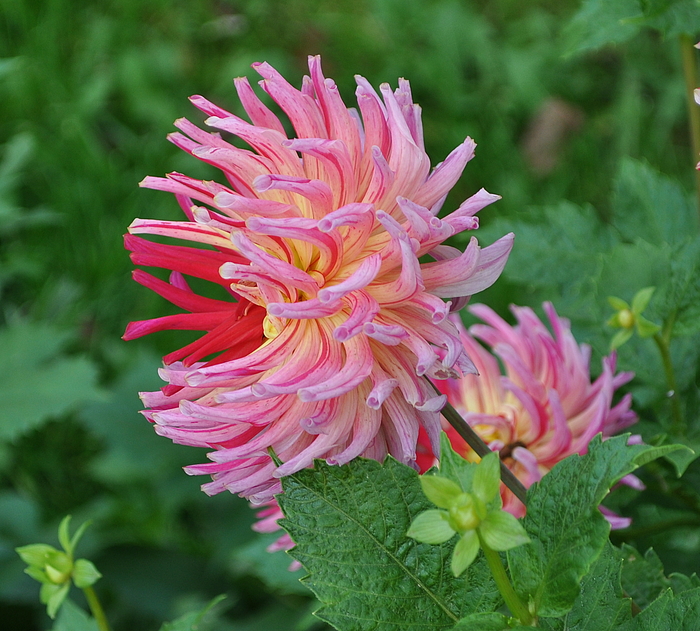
[[85, 573], [617, 303], [679, 297], [643, 577], [191, 621], [356, 516], [440, 491], [600, 606], [431, 527], [491, 621], [566, 529], [601, 22], [672, 17], [73, 618], [651, 206], [668, 612], [35, 382]]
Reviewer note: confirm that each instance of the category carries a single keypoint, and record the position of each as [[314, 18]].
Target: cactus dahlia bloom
[[545, 408], [326, 321]]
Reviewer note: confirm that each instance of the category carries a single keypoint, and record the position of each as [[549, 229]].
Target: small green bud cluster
[[54, 568], [627, 317], [474, 514]]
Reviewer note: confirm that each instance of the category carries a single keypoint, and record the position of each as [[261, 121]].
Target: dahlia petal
[[260, 114]]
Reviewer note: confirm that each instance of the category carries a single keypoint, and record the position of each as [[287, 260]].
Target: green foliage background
[[582, 130]]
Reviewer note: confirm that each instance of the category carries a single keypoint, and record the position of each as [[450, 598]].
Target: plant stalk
[[690, 73], [516, 606], [480, 447], [96, 608], [678, 424]]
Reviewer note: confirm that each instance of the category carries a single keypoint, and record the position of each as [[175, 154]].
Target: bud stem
[[516, 606], [662, 342], [96, 608], [690, 73]]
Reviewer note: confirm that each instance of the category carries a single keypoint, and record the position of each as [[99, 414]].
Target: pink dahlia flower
[[328, 323], [545, 408]]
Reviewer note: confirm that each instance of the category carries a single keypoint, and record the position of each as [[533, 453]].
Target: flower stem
[[96, 608], [690, 73], [662, 342], [516, 606], [480, 447]]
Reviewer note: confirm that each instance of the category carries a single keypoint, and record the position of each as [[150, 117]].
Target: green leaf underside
[[600, 606], [567, 530], [349, 524]]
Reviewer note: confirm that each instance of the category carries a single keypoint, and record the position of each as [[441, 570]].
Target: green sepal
[[487, 478], [617, 303], [440, 491], [59, 562], [465, 552], [641, 299], [431, 527], [645, 327], [85, 573], [36, 554], [37, 574], [78, 535], [63, 536], [53, 596], [620, 338], [501, 531]]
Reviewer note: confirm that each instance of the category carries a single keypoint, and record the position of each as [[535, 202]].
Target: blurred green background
[[88, 91]]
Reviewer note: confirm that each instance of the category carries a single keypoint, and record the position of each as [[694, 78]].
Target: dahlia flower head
[[327, 323], [544, 408]]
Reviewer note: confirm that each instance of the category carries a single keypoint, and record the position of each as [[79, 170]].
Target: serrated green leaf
[[73, 618], [35, 383], [600, 606], [652, 453], [643, 577], [651, 206], [349, 526], [431, 527], [668, 612], [679, 297], [190, 621], [85, 573], [601, 22], [566, 529], [672, 17]]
